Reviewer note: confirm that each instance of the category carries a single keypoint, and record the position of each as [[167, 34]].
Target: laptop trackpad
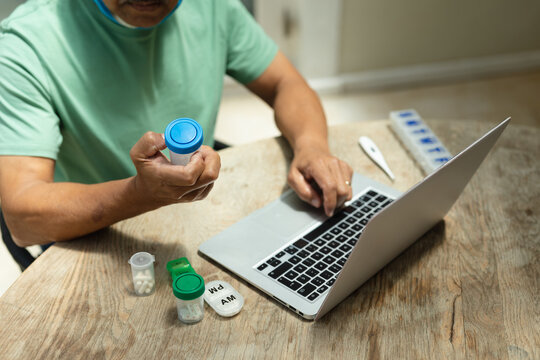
[[288, 216]]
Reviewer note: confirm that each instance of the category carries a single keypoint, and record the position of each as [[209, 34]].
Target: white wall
[[395, 33]]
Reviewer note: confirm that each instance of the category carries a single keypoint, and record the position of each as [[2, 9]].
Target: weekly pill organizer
[[424, 146]]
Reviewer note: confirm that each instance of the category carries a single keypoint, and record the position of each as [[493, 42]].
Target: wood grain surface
[[469, 288]]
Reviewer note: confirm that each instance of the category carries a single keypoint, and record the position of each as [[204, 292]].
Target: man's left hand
[[321, 179]]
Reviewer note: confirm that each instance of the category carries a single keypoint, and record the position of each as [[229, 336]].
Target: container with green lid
[[178, 267], [188, 288]]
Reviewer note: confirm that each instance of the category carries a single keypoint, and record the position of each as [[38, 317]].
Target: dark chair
[[218, 145], [19, 254]]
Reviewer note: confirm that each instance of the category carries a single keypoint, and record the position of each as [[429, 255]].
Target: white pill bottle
[[142, 270], [183, 137]]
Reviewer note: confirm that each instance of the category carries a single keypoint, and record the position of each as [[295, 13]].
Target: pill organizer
[[428, 151], [223, 298]]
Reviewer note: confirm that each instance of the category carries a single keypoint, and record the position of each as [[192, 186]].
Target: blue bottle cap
[[183, 136]]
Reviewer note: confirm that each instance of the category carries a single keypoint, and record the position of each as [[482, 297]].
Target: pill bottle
[[183, 137], [188, 289], [142, 271]]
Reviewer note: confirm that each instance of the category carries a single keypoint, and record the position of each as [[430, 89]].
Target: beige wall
[[378, 34]]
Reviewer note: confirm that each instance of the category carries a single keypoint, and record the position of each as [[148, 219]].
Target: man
[[87, 87]]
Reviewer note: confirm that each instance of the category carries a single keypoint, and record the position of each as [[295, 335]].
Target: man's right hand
[[161, 183]]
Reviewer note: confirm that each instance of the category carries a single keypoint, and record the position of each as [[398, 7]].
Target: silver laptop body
[[246, 245]]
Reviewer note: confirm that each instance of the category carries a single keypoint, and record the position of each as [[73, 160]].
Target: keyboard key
[[381, 198], [345, 247], [386, 203], [303, 279], [329, 259], [337, 254], [262, 267], [350, 233], [313, 296], [303, 254], [320, 266], [293, 285], [335, 268], [366, 209], [358, 214], [358, 203], [320, 242], [300, 268], [291, 275], [342, 238], [317, 256], [369, 216], [364, 221], [365, 198], [328, 236], [277, 272], [349, 209], [300, 243], [357, 227], [325, 250], [291, 250], [371, 193], [343, 226], [312, 272], [322, 289], [335, 231], [331, 282], [280, 254], [273, 261], [317, 281], [341, 261], [373, 204], [351, 220], [329, 223], [326, 274], [295, 260], [311, 248], [352, 242], [333, 244], [306, 289], [308, 262]]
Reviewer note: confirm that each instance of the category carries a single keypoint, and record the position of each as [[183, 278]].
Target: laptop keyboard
[[310, 264]]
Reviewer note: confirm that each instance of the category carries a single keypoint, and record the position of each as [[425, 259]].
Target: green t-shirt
[[80, 89]]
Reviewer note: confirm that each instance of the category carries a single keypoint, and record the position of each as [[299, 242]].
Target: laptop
[[310, 263]]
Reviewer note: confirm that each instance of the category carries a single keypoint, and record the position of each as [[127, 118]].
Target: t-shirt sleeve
[[29, 125], [249, 50]]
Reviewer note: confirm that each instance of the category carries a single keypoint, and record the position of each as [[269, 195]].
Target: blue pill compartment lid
[[183, 136]]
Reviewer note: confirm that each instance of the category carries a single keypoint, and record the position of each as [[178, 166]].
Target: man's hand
[[163, 183], [320, 178], [300, 117]]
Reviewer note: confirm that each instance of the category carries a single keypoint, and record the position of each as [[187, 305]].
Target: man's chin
[[144, 18]]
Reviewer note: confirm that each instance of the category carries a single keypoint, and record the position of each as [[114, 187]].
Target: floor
[[243, 118]]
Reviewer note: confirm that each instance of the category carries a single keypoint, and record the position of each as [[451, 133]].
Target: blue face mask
[[105, 10]]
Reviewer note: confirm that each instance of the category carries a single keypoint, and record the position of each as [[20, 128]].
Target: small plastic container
[[183, 137], [223, 298], [142, 271], [189, 289], [178, 267]]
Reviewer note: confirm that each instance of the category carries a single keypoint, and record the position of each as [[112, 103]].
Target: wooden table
[[469, 288]]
